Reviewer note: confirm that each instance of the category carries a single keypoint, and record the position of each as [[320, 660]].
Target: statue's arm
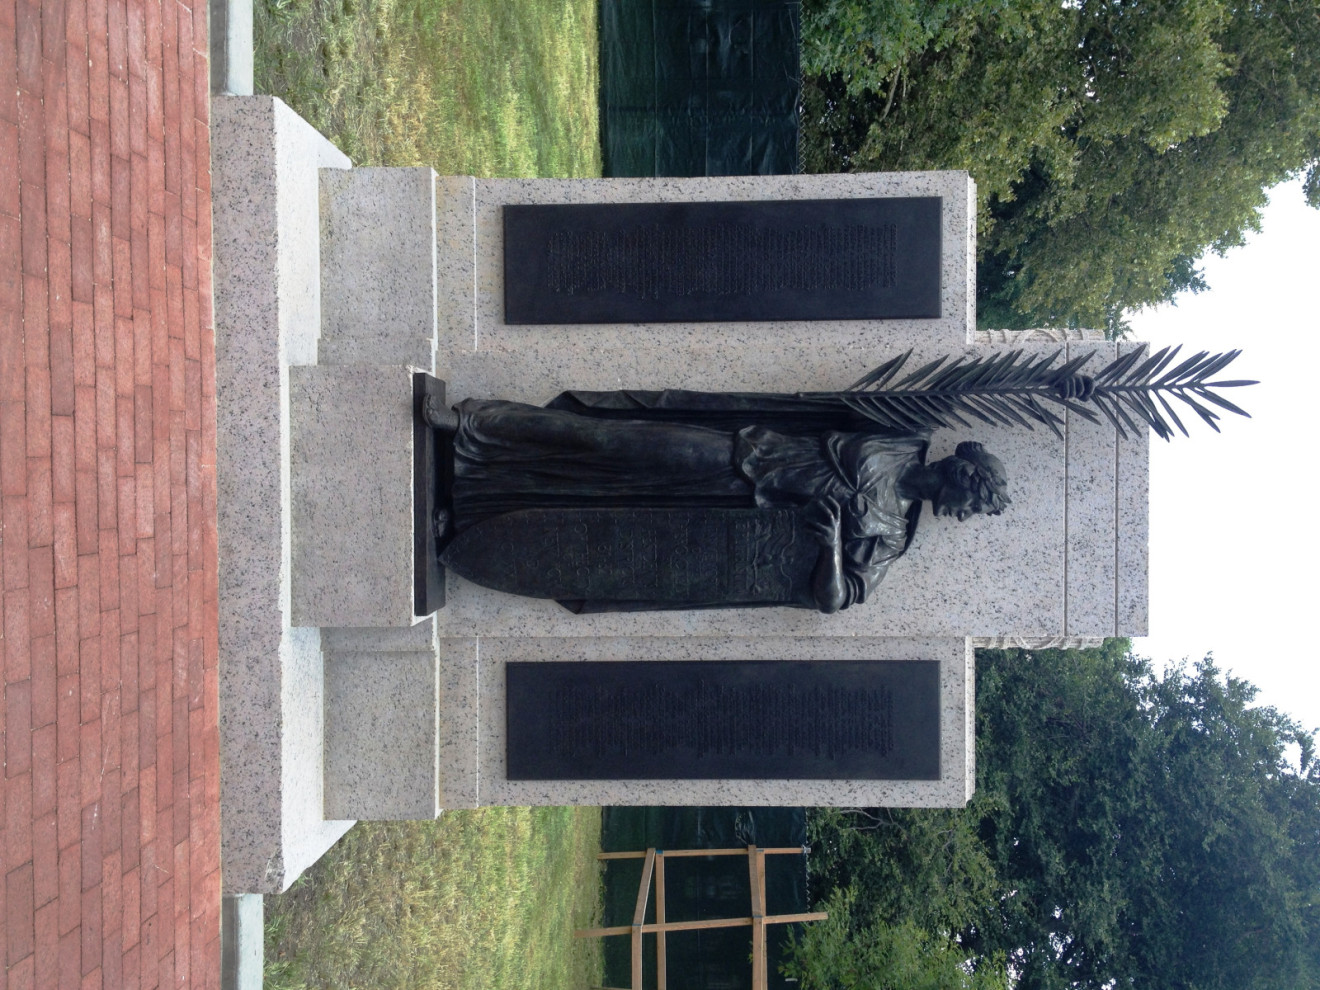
[[828, 584]]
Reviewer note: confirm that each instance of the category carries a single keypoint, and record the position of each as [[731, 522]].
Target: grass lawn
[[479, 899], [469, 87]]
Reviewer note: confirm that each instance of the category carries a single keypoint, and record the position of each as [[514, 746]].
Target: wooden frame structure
[[654, 865]]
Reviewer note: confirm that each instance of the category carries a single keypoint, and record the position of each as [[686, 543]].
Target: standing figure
[[631, 501]]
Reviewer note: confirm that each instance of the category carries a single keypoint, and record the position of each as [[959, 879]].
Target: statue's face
[[955, 500]]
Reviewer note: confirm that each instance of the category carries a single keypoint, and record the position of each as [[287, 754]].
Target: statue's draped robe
[[691, 450]]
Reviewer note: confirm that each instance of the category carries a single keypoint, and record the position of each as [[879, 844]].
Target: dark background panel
[[429, 479]]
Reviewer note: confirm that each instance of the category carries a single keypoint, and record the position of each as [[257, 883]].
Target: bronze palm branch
[[1017, 389]]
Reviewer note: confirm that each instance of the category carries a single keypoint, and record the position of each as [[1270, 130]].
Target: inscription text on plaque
[[706, 720], [828, 259]]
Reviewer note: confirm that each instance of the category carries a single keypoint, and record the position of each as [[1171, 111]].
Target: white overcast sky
[[1235, 517]]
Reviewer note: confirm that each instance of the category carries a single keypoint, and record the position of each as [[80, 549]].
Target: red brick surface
[[109, 809]]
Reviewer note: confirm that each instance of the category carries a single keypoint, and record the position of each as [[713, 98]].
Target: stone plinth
[[265, 163], [381, 729], [378, 271], [332, 284], [352, 495]]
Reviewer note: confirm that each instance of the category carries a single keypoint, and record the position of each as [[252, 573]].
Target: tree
[[1113, 141], [833, 955], [1128, 829], [1146, 829]]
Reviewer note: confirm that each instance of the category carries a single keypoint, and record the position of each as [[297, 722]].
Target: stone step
[[266, 164], [382, 705], [352, 511], [378, 267]]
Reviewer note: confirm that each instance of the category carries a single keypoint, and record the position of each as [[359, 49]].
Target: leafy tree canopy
[[1113, 142], [1128, 829], [835, 955]]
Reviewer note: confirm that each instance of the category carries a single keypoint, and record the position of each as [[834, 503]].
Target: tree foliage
[[1128, 829], [833, 955], [1113, 142]]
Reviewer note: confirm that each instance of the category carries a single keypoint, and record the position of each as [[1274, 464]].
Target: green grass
[[469, 87], [478, 899]]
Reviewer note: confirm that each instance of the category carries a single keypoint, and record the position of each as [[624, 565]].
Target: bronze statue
[[644, 500], [631, 501]]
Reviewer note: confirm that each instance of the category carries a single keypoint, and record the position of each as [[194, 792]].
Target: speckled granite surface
[[351, 456], [481, 356], [378, 265], [956, 743], [267, 310]]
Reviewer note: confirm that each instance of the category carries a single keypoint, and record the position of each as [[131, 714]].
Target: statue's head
[[972, 482]]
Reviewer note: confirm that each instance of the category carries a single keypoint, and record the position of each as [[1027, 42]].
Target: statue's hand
[[436, 415], [1078, 387], [824, 521]]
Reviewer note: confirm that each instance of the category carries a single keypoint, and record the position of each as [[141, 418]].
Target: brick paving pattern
[[109, 854]]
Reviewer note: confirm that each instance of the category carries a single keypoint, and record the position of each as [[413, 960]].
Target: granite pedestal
[[340, 702]]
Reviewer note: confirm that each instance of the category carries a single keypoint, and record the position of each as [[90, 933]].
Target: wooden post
[[691, 926], [662, 969], [756, 880], [639, 916]]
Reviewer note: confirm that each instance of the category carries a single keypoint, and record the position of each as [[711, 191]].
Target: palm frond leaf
[[1219, 400], [1020, 388], [1168, 408], [877, 377], [920, 373]]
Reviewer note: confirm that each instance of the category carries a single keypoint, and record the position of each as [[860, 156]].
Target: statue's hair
[[981, 473]]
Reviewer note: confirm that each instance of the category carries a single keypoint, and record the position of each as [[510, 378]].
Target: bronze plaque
[[710, 720], [677, 557], [829, 259]]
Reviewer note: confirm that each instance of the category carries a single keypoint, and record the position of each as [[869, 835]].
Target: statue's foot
[[437, 416]]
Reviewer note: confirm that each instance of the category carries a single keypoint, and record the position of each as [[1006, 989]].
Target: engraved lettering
[[724, 259], [712, 719]]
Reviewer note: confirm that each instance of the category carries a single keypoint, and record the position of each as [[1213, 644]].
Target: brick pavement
[[109, 854]]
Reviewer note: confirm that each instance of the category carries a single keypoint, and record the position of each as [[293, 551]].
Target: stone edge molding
[[264, 161]]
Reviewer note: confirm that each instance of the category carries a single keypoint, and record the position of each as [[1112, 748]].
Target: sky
[[1234, 533]]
